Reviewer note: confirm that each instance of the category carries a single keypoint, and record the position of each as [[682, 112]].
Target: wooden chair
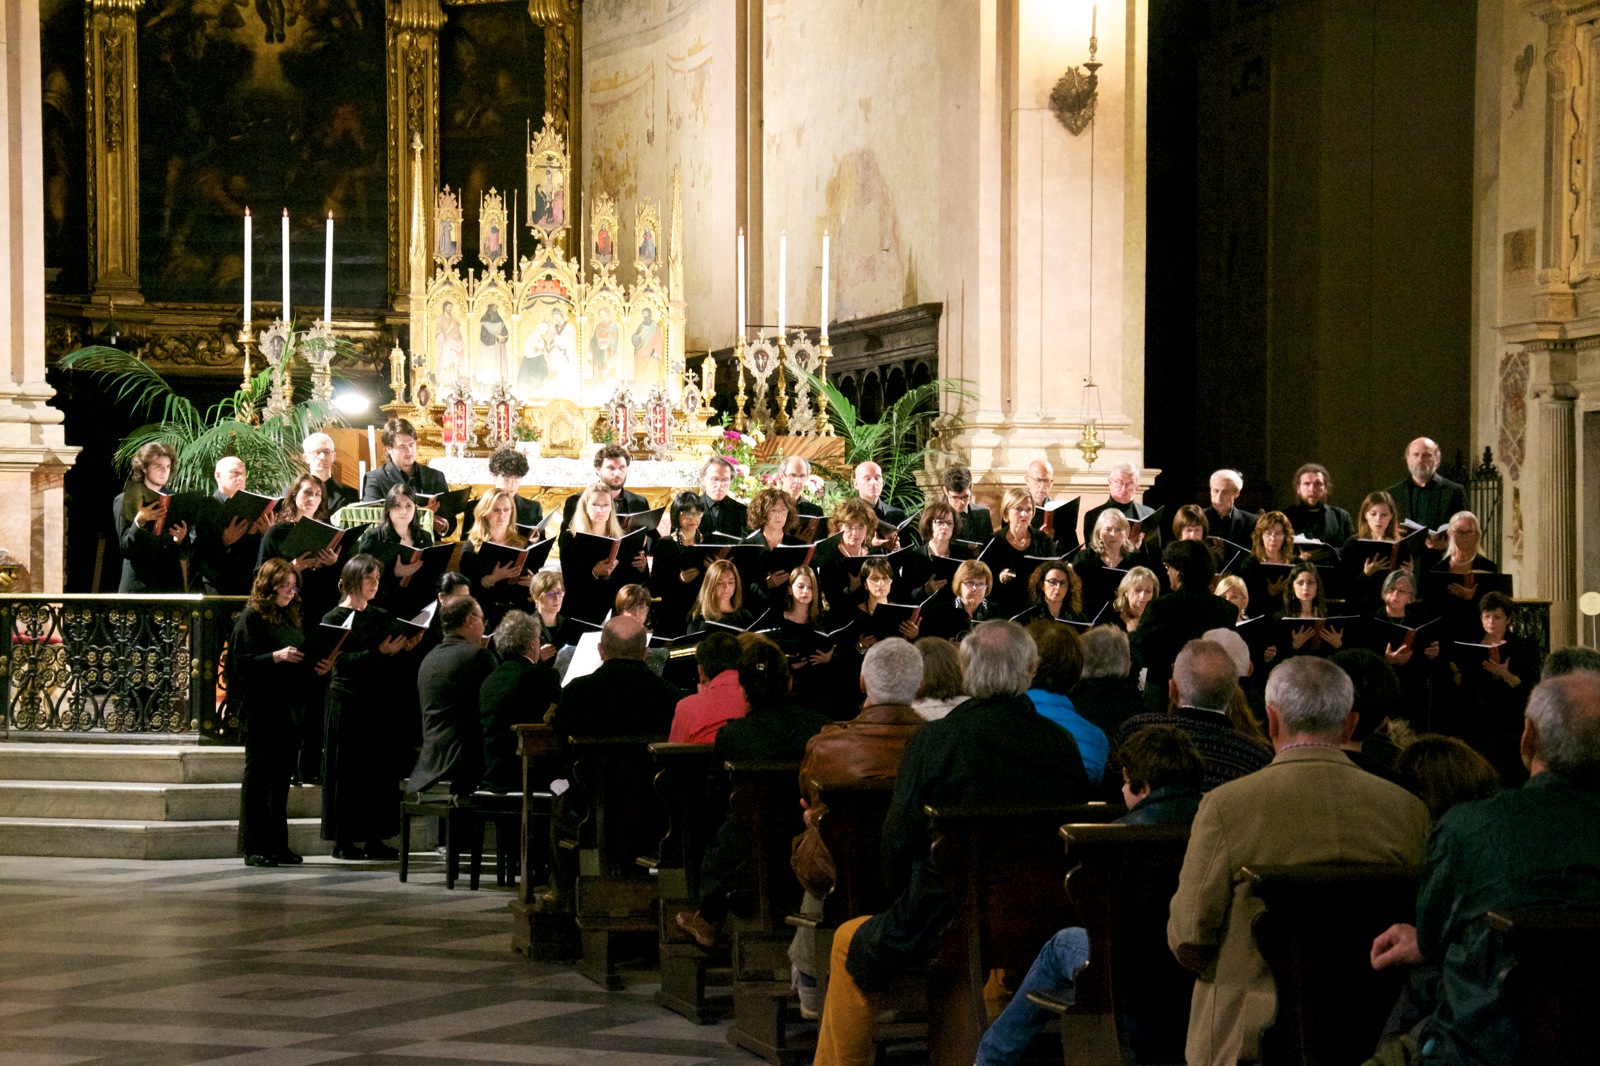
[[1132, 1000], [1553, 986], [466, 819], [1316, 937], [1003, 869], [536, 931], [680, 786]]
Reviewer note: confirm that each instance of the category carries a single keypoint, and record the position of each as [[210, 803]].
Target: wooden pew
[[765, 799], [680, 787], [1132, 1000], [1003, 869], [536, 932], [1316, 937], [1553, 988], [612, 792]]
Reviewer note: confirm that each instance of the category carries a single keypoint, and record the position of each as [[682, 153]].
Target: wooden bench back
[[614, 797], [764, 798], [1316, 937], [1552, 990], [850, 820], [1121, 885]]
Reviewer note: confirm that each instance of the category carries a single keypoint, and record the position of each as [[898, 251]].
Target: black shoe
[[260, 860], [288, 858], [380, 850], [348, 851]]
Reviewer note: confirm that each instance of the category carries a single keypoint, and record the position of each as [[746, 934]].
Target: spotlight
[[350, 402]]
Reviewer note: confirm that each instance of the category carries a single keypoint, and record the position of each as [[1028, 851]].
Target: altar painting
[[549, 364]]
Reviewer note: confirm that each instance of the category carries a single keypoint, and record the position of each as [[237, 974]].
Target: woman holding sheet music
[[803, 634], [721, 599], [1103, 563], [1304, 598], [1055, 593], [951, 618], [1190, 523], [919, 574], [771, 514], [1365, 560], [592, 586], [549, 592], [497, 585], [1015, 551], [1411, 650], [359, 801], [852, 522], [676, 576], [269, 687], [1137, 588], [394, 542], [1498, 672], [318, 571], [153, 550], [878, 578]]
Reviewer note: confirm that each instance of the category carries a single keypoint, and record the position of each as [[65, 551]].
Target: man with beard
[[1425, 497]]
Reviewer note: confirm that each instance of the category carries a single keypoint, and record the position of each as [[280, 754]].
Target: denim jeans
[[1053, 971]]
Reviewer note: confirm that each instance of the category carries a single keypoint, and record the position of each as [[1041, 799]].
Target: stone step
[[173, 764], [116, 839], [143, 801]]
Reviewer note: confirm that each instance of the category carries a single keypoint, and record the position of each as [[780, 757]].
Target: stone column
[[33, 452], [112, 105], [1555, 527], [1044, 233], [413, 62]]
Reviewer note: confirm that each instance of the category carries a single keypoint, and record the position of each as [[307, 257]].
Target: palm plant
[[899, 441], [270, 449]]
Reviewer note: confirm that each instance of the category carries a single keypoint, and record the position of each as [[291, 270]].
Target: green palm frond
[[148, 392]]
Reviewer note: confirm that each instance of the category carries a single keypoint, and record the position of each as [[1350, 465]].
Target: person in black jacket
[[400, 441], [622, 698], [268, 685], [319, 453], [1182, 615], [1313, 516], [228, 549], [611, 470], [994, 750], [521, 689], [723, 513], [1107, 693], [447, 687], [1233, 524], [154, 552], [1426, 498], [972, 518]]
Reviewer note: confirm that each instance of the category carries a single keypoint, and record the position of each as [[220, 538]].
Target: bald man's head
[[623, 637], [869, 481], [229, 474], [1563, 726], [1422, 460]]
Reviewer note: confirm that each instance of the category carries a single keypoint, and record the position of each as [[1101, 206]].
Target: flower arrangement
[[739, 449], [526, 430]]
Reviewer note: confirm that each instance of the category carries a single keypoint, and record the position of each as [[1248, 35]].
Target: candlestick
[[247, 235], [327, 276], [741, 281], [824, 284], [783, 279], [361, 471], [286, 264], [372, 445]]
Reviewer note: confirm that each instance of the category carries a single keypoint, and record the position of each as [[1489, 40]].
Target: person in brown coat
[[866, 748]]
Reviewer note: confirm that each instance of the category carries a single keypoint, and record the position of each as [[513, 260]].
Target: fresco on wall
[[491, 86], [66, 197], [271, 105]]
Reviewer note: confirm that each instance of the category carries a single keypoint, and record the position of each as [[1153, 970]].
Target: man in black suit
[[507, 468], [723, 513], [1182, 615], [868, 482], [972, 519], [1223, 519], [792, 478], [1425, 497], [521, 689], [623, 697], [447, 685], [400, 441], [319, 453], [611, 470], [227, 550], [1122, 482], [1311, 514]]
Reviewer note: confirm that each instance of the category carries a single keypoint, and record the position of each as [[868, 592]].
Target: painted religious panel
[[269, 105], [66, 195], [491, 342], [607, 361], [491, 91], [449, 339], [548, 178], [645, 344], [549, 364]]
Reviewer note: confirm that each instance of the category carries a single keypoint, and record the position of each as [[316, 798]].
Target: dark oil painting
[[491, 87], [269, 104], [66, 197]]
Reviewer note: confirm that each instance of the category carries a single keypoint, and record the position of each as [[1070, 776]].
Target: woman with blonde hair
[[1012, 551], [952, 617], [850, 531], [1102, 563], [498, 587], [721, 599], [1134, 593], [592, 588], [1231, 587]]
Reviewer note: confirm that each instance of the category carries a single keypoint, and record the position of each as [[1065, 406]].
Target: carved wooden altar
[[540, 343]]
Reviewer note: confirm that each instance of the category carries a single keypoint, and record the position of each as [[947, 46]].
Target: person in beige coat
[[1310, 805]]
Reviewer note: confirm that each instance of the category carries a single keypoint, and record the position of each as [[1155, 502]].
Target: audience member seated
[[523, 688], [1204, 679], [1377, 690], [1443, 771], [994, 750], [1107, 693], [1535, 846], [1060, 664], [620, 699], [1247, 710], [775, 729], [1284, 814], [719, 699], [942, 690], [448, 683], [1161, 774], [866, 748]]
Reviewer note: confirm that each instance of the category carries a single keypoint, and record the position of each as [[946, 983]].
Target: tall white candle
[[286, 264], [247, 234], [783, 280], [741, 281], [824, 284], [1094, 19], [372, 445], [327, 276], [361, 472]]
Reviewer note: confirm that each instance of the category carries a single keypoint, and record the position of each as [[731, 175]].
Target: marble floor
[[116, 962]]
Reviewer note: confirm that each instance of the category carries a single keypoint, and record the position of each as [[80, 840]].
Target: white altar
[[571, 475]]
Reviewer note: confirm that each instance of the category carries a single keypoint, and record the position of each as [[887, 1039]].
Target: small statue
[[708, 376]]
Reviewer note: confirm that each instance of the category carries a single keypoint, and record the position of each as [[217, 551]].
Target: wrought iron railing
[[1485, 498], [116, 664]]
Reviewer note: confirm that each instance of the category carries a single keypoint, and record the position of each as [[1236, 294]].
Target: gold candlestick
[[738, 358], [781, 423], [246, 411], [824, 352]]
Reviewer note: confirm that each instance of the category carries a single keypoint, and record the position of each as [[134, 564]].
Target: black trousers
[[270, 752]]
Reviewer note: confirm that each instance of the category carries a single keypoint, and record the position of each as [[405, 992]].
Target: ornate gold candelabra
[[739, 397], [824, 353], [246, 412], [781, 421]]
